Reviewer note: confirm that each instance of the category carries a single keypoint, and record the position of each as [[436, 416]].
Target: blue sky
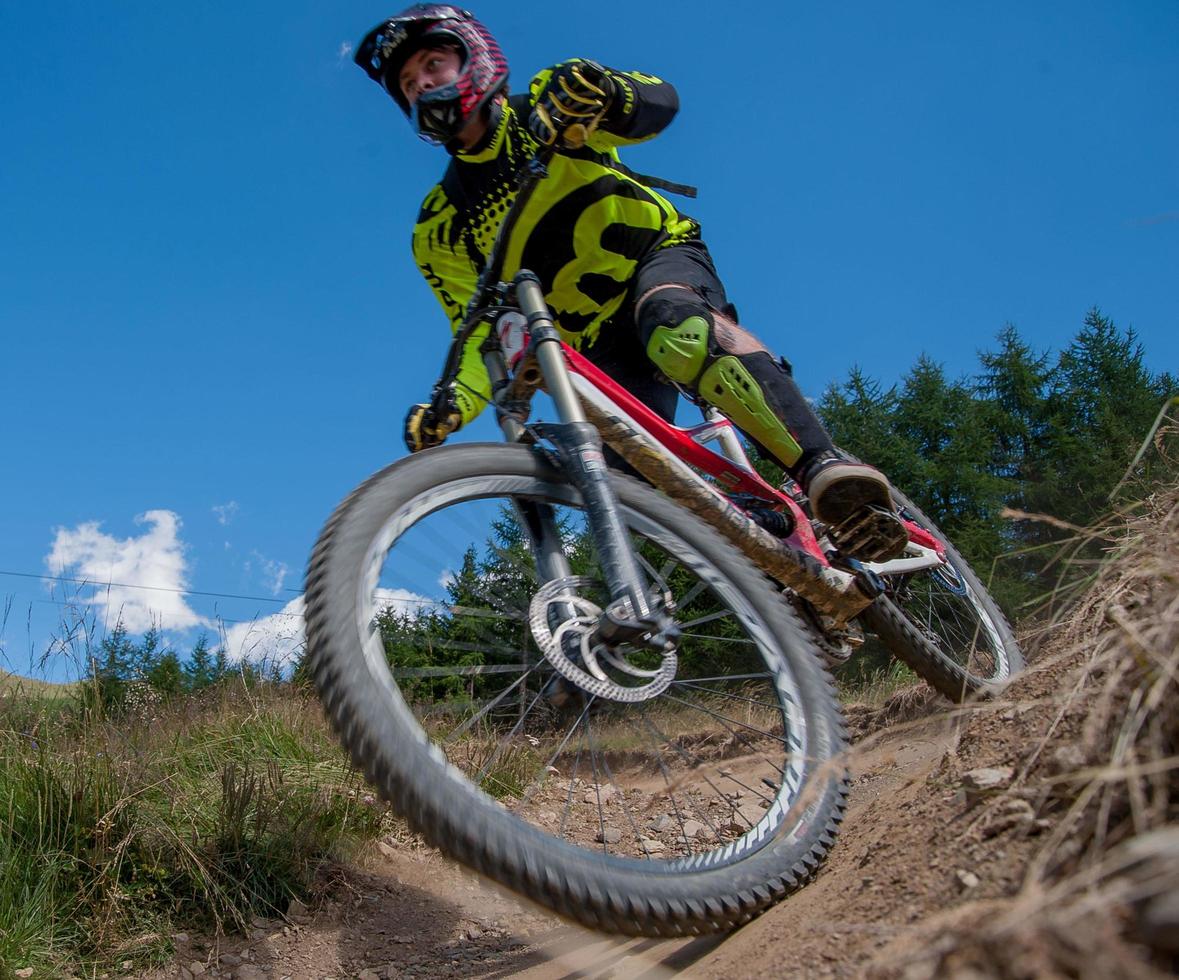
[[212, 327]]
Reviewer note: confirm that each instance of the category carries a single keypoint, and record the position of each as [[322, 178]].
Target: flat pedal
[[871, 534]]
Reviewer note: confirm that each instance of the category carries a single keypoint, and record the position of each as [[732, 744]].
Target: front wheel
[[656, 800], [943, 623]]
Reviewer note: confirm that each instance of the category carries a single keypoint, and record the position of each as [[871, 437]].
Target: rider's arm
[[452, 277], [643, 107]]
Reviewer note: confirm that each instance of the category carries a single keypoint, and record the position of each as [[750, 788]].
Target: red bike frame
[[684, 444]]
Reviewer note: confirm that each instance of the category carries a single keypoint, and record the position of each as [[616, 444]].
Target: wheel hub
[[575, 633]]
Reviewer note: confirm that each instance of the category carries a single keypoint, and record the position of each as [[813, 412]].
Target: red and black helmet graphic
[[440, 114]]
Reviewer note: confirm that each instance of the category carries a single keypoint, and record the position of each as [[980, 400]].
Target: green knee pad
[[680, 352], [729, 386]]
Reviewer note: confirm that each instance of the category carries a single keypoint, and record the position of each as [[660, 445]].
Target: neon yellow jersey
[[583, 231]]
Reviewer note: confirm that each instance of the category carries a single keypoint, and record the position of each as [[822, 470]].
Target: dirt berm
[[1026, 837]]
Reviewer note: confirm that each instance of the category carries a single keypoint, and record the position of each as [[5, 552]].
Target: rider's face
[[427, 69]]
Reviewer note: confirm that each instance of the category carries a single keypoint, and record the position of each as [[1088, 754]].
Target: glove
[[570, 107], [428, 425]]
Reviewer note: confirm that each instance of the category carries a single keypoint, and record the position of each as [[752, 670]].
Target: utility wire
[[68, 604], [465, 610], [150, 588]]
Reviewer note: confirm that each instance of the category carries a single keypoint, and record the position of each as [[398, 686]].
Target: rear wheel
[[668, 797], [943, 623]]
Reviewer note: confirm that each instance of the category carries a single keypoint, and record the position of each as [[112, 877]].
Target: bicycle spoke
[[736, 641], [589, 736], [667, 778], [486, 709], [721, 718], [693, 764], [725, 694], [495, 756], [711, 618], [572, 784], [727, 678], [552, 762], [622, 801]]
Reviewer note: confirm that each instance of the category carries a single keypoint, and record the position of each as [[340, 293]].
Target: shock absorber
[[779, 523]]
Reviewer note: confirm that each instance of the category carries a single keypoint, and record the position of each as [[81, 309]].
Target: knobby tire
[[677, 897], [913, 637]]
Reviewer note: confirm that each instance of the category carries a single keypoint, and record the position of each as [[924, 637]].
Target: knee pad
[[676, 326], [729, 385], [748, 386]]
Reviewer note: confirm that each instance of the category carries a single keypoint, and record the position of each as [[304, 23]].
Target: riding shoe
[[853, 500]]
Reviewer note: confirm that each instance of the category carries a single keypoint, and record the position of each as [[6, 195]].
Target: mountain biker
[[628, 279]]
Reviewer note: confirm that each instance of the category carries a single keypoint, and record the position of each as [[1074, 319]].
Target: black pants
[[621, 350]]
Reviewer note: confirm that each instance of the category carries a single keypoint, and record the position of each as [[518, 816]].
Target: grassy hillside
[[211, 810], [14, 684]]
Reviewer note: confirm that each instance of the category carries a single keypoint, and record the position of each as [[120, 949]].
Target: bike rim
[[948, 609], [696, 777]]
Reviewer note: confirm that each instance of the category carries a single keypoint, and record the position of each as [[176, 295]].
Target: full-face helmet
[[438, 115]]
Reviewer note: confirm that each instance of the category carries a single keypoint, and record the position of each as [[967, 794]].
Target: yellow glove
[[573, 103], [425, 427]]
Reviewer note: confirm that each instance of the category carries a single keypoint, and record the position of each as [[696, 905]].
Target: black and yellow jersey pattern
[[583, 231]]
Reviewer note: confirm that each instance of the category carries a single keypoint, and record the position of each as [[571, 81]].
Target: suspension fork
[[538, 520], [630, 614]]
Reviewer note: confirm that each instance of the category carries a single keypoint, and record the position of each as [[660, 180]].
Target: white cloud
[[281, 637], [404, 601], [139, 580], [226, 512], [278, 638], [273, 572], [345, 50]]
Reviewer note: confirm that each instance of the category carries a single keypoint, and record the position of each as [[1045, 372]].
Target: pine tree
[[1014, 388], [862, 419], [1015, 383], [951, 476], [117, 656], [110, 671], [147, 652], [166, 675], [1103, 403], [200, 671], [221, 665]]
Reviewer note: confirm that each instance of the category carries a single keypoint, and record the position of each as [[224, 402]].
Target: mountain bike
[[608, 690]]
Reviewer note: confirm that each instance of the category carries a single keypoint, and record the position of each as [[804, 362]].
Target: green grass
[[872, 676], [216, 808]]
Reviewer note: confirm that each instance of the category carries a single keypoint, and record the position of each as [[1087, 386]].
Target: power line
[[406, 600], [70, 604], [148, 588]]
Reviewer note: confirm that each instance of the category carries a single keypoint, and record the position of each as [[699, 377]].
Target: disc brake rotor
[[576, 631]]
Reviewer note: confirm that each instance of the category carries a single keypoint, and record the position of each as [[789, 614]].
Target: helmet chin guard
[[439, 115]]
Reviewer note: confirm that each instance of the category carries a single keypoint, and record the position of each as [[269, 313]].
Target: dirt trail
[[413, 913], [958, 820], [912, 855]]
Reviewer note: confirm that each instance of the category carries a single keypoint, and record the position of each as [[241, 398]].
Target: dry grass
[[13, 685], [1099, 895]]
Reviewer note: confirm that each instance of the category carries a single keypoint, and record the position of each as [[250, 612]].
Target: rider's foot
[[853, 499]]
